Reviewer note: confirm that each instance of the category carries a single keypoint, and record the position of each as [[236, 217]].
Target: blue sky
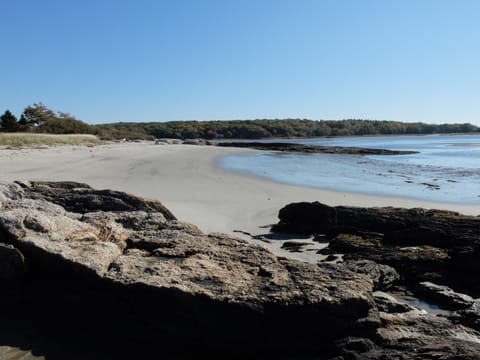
[[146, 60]]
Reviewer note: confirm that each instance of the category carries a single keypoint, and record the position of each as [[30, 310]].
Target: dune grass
[[24, 139]]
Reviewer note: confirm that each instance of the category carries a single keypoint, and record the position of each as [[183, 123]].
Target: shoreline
[[189, 180], [441, 205], [191, 183]]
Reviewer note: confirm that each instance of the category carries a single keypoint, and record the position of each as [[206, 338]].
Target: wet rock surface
[[444, 296], [113, 275], [430, 256]]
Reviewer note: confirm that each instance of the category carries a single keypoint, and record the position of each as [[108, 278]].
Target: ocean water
[[446, 168]]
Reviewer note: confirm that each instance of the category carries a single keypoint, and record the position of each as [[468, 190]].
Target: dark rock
[[348, 243], [81, 198], [414, 264], [331, 257], [13, 267], [444, 296], [306, 218], [352, 347], [422, 245], [402, 227], [294, 246], [292, 147], [470, 317]]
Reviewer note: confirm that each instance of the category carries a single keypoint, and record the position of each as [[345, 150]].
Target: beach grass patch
[[22, 139]]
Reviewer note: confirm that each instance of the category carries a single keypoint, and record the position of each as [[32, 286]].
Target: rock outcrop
[[310, 149], [429, 256], [103, 268], [423, 245]]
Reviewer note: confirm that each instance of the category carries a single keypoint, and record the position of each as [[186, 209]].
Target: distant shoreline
[[345, 136]]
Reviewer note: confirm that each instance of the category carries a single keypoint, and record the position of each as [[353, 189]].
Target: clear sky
[[160, 60]]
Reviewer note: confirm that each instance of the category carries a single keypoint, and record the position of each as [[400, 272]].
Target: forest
[[40, 119]]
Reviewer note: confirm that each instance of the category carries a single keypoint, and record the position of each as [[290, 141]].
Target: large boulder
[[93, 251], [402, 227]]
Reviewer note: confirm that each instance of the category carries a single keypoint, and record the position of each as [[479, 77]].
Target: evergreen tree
[[8, 122], [23, 123]]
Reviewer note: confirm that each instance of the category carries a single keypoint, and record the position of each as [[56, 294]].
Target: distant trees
[[8, 122], [39, 118], [38, 114], [23, 123], [267, 128], [63, 123]]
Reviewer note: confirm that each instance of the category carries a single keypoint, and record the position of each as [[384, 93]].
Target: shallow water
[[420, 304], [446, 168]]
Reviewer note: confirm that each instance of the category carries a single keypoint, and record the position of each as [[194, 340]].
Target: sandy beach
[[188, 180]]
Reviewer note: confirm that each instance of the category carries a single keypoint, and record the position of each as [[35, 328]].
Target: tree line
[[39, 118], [267, 128]]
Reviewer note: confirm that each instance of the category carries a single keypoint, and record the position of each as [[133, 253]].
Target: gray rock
[[49, 234], [425, 336], [383, 276], [389, 304], [194, 142], [9, 191], [413, 335], [169, 141]]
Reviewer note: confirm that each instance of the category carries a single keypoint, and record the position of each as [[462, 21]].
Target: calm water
[[446, 169]]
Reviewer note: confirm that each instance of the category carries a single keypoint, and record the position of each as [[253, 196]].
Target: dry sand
[[187, 179]]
